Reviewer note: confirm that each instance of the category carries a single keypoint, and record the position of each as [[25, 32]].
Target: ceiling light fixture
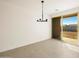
[[42, 19]]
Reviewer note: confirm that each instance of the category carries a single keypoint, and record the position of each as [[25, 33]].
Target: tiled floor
[[70, 41], [46, 49]]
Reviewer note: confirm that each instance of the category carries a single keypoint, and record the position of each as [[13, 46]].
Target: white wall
[[18, 26], [66, 12]]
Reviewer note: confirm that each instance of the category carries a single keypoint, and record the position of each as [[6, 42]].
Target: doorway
[[69, 31], [65, 28]]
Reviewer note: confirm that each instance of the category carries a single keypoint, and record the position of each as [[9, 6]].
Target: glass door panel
[[69, 32]]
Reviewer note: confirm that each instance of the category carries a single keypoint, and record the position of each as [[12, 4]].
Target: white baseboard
[[24, 44]]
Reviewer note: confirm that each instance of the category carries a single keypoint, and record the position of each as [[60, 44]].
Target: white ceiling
[[50, 6]]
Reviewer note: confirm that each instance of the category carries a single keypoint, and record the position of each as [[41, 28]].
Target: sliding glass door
[[69, 29]]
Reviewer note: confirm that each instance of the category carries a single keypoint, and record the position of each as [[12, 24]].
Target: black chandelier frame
[[42, 19]]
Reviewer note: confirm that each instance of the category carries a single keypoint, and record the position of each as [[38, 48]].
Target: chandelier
[[42, 19]]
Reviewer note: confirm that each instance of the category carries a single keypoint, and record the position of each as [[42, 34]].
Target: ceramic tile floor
[[50, 48]]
